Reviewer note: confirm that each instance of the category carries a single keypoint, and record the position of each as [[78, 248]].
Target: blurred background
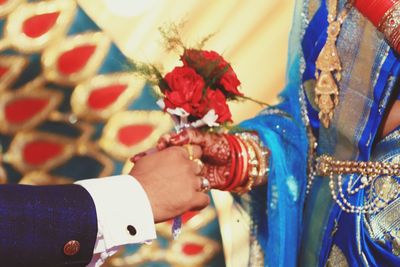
[[251, 34], [71, 109]]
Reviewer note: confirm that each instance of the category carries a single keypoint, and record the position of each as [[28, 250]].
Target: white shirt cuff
[[124, 214]]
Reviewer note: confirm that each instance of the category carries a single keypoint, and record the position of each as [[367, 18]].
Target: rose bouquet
[[197, 92]]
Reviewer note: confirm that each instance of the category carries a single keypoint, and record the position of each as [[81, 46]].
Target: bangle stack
[[384, 14], [249, 163]]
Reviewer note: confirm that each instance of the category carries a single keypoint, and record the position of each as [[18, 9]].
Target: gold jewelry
[[368, 171], [327, 164], [262, 154], [253, 165], [189, 149], [328, 65], [389, 25]]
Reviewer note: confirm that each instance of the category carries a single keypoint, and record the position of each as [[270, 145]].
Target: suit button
[[131, 230], [72, 247]]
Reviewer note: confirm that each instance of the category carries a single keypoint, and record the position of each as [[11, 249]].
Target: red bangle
[[239, 166], [384, 14], [245, 156], [233, 159]]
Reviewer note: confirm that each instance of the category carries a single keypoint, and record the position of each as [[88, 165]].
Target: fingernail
[[161, 146], [137, 157]]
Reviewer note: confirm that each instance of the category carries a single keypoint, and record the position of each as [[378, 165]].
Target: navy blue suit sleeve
[[37, 221]]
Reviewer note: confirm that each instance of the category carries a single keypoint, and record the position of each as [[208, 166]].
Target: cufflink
[[72, 247], [131, 230]]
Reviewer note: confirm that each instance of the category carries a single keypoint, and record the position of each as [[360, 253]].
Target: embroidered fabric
[[293, 230]]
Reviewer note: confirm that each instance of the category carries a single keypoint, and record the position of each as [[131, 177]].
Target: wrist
[[384, 15], [249, 162]]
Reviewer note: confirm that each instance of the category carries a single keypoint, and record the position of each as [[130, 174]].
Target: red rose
[[215, 57], [193, 58], [185, 89], [215, 99], [212, 66], [230, 82]]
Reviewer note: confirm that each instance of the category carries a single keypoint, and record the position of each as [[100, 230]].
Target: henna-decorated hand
[[216, 152], [216, 155]]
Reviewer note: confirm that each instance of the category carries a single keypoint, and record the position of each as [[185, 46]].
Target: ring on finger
[[189, 149], [205, 185]]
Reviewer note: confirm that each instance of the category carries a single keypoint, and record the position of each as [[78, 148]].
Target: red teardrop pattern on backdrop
[[75, 59], [38, 152], [132, 134], [38, 25], [192, 249], [23, 109], [2, 2], [102, 97], [3, 70]]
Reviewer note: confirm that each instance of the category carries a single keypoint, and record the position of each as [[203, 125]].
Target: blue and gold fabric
[[71, 108], [296, 225]]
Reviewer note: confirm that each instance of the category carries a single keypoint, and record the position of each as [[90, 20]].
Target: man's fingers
[[192, 151], [164, 141], [140, 155], [197, 151], [187, 136], [198, 166], [176, 139]]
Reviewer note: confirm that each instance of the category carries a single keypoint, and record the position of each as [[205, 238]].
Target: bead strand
[[369, 171]]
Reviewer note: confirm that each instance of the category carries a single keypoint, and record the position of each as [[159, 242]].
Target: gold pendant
[[328, 70]]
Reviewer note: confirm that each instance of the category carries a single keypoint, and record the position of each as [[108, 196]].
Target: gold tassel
[[329, 67]]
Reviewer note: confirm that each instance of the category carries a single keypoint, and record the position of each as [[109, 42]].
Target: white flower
[[180, 112], [210, 119]]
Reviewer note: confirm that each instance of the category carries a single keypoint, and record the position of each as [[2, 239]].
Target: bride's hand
[[215, 146], [216, 156], [215, 150]]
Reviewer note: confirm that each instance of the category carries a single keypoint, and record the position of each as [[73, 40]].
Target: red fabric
[[374, 10], [186, 217], [3, 70], [38, 25], [2, 2], [192, 249], [38, 152], [74, 60], [102, 97], [133, 134], [23, 109]]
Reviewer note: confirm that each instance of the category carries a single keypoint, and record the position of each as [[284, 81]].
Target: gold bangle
[[263, 156], [389, 25]]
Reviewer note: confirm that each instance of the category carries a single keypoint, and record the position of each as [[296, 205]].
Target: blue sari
[[288, 227]]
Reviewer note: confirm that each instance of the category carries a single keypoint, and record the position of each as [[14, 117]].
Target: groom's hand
[[216, 153], [171, 181]]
